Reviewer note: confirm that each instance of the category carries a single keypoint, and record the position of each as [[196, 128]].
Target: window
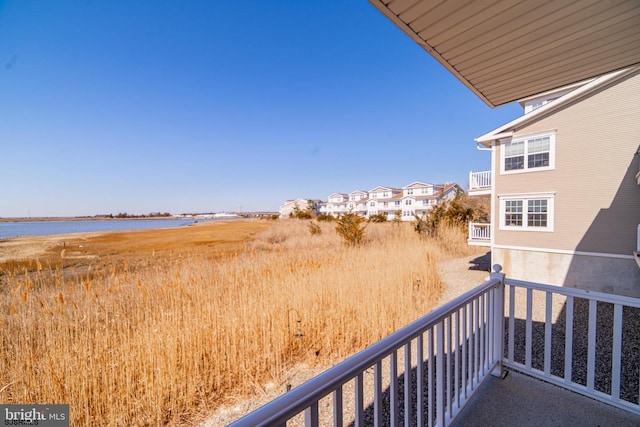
[[397, 203], [386, 204], [532, 105], [408, 202], [527, 213], [513, 213], [372, 203], [537, 212], [534, 153], [410, 191]]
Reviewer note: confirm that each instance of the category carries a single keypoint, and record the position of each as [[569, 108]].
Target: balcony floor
[[519, 400]]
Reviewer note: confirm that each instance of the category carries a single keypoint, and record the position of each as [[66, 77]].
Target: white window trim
[[552, 153], [550, 197]]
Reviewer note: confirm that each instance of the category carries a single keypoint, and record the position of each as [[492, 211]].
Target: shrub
[[314, 228], [425, 225], [351, 228], [380, 217], [302, 213], [455, 213], [325, 217]]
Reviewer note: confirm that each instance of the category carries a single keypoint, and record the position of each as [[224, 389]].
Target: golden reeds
[[165, 344]]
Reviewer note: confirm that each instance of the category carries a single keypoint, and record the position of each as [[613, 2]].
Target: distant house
[[382, 201], [418, 198], [414, 199], [564, 187], [291, 206]]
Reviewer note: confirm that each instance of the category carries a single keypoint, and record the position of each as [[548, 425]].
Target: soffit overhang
[[506, 50]]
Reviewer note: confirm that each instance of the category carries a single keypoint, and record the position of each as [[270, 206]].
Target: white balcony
[[479, 234], [479, 183]]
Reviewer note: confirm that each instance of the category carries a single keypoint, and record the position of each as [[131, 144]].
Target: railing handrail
[[301, 397], [578, 293]]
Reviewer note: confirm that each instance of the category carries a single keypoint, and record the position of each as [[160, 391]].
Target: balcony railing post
[[498, 321]]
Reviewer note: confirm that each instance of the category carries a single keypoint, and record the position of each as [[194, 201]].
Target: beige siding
[[597, 201]]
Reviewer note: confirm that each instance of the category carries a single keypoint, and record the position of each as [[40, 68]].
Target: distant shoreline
[[245, 215], [80, 218]]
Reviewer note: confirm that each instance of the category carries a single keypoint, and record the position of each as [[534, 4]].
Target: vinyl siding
[[597, 199]]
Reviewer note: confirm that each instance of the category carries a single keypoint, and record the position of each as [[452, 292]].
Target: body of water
[[47, 228]]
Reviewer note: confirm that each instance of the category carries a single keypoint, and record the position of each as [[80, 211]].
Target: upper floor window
[[372, 203], [408, 202], [533, 105], [397, 203], [533, 153], [410, 191]]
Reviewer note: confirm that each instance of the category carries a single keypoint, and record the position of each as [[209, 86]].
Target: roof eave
[[430, 50]]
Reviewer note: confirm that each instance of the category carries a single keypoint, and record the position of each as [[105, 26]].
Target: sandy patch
[[34, 247]]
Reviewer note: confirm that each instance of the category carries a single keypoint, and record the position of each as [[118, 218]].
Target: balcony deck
[[520, 400]]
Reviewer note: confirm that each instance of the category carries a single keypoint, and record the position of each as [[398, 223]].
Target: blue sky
[[208, 106]]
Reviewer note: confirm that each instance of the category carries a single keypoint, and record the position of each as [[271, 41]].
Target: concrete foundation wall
[[595, 273]]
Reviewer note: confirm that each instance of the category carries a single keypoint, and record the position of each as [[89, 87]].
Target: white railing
[[479, 231], [479, 180], [443, 358], [589, 348]]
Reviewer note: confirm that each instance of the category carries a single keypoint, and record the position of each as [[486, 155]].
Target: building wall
[[597, 199], [603, 274]]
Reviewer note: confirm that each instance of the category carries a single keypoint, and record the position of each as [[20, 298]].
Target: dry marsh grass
[[166, 343]]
